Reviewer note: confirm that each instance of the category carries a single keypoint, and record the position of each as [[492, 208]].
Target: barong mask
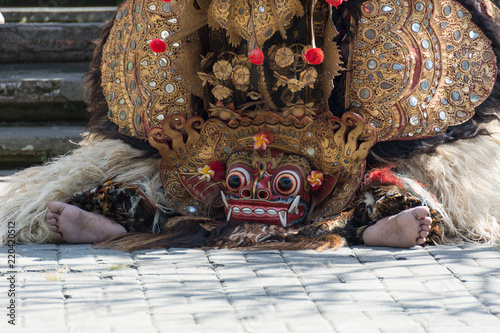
[[222, 87], [269, 187], [272, 188]]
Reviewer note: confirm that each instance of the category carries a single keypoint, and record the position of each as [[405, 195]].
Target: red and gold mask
[[269, 188]]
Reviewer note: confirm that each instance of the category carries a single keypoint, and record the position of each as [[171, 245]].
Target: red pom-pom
[[158, 46], [384, 176], [167, 0], [256, 56], [314, 56], [335, 3], [220, 170]]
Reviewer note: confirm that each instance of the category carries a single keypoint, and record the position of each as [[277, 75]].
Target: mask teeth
[[294, 206], [283, 214]]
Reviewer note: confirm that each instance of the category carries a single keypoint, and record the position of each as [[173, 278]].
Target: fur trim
[[384, 175], [185, 231], [30, 191], [465, 178]]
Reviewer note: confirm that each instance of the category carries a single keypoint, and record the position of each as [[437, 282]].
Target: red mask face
[[272, 188]]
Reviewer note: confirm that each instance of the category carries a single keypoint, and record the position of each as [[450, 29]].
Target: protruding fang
[[229, 214], [283, 215], [294, 207], [224, 199]]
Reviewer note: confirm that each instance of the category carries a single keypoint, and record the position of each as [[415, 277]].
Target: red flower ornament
[[158, 46], [256, 56]]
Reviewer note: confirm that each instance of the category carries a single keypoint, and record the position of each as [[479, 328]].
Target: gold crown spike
[[143, 87], [253, 19], [418, 67]]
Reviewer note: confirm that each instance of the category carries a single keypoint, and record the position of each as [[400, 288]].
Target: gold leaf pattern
[[223, 69], [295, 85], [221, 92], [284, 57], [309, 76], [241, 77]]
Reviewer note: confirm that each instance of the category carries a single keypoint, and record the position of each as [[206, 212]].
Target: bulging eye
[[287, 183], [237, 178]]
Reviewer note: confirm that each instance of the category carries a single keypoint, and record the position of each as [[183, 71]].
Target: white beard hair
[[465, 178], [30, 191]]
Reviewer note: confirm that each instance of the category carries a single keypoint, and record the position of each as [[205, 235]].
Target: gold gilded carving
[[143, 87], [252, 20], [418, 67]]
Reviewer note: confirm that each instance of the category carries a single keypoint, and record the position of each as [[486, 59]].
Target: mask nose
[[255, 190], [263, 194]]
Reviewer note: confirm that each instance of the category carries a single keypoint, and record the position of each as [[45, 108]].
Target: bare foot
[[406, 229], [76, 225]]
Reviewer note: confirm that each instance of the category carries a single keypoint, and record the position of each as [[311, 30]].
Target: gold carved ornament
[[418, 67], [143, 87], [336, 147]]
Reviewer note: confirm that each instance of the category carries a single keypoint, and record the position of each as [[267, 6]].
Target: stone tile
[[359, 289]]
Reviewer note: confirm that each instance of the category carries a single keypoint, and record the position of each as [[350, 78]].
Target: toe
[[426, 221], [420, 240], [423, 233], [54, 228], [425, 227], [56, 207], [51, 216], [52, 221], [420, 212]]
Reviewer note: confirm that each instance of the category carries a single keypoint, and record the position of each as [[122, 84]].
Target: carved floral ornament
[[236, 74]]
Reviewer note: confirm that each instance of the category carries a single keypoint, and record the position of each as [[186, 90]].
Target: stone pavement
[[75, 288]]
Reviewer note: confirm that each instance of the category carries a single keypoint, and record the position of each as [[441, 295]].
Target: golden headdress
[[256, 76]]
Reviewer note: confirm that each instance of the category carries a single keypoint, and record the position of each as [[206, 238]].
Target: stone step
[[62, 15], [42, 92], [48, 42], [4, 180], [25, 146]]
